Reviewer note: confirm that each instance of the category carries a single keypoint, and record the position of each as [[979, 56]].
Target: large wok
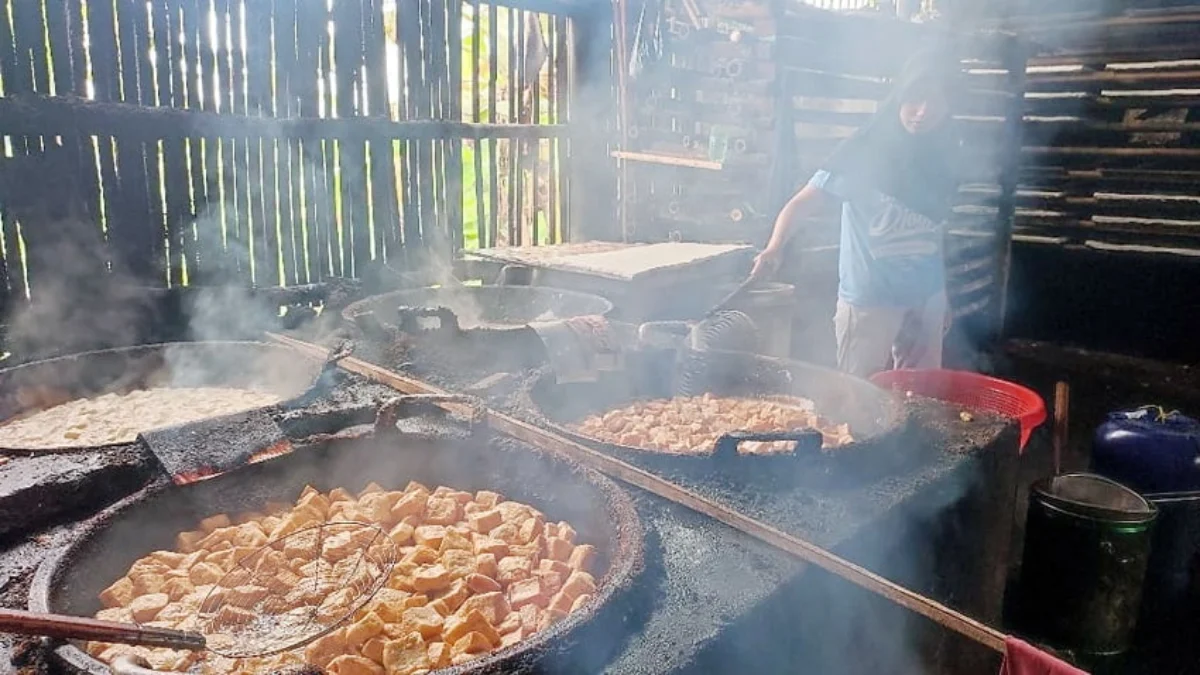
[[36, 386], [69, 581], [492, 307], [877, 421]]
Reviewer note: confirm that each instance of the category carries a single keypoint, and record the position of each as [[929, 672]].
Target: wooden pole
[[1062, 406], [799, 548]]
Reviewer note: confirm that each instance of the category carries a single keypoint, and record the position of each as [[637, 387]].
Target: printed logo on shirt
[[898, 231]]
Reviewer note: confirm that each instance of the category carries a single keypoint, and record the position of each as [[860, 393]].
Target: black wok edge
[[883, 434], [467, 457]]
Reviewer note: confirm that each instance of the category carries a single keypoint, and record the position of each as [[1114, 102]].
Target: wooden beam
[[36, 115]]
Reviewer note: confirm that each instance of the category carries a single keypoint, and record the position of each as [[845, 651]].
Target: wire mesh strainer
[[296, 589]]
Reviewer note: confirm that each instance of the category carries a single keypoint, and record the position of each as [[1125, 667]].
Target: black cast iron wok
[[36, 386], [68, 582], [877, 422], [493, 307]]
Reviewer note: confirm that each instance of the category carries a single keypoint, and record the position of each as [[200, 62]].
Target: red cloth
[[1022, 658]]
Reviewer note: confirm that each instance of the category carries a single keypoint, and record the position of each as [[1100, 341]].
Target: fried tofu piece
[[402, 533], [514, 512], [459, 563], [486, 565], [421, 555], [389, 604], [485, 521], [511, 623], [507, 533], [430, 535], [439, 655], [442, 511], [530, 615], [549, 618], [119, 614], [459, 625], [406, 655], [527, 592], [169, 558], [579, 583], [482, 543], [471, 643], [582, 557], [431, 578], [322, 651], [440, 607], [119, 594], [493, 606], [211, 523], [223, 559], [145, 607], [340, 495], [454, 595], [488, 498], [249, 535], [559, 549], [378, 506], [551, 581], [354, 665], [531, 529], [581, 601], [247, 595], [479, 583], [176, 588], [373, 648], [423, 620], [364, 629], [511, 638], [411, 504], [455, 541], [561, 602], [146, 583], [547, 565], [371, 488], [513, 569]]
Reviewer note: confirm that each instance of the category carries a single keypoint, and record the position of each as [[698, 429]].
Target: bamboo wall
[[277, 142]]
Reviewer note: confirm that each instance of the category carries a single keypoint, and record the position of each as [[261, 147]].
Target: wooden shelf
[[669, 160]]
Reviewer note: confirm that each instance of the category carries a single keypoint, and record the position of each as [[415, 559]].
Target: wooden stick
[[669, 160], [810, 553], [1062, 407]]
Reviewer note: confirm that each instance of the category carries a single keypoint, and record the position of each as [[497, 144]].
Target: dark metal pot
[[602, 513], [876, 420], [1087, 548], [35, 386]]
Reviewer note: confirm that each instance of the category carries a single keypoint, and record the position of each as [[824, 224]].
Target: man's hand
[[766, 264]]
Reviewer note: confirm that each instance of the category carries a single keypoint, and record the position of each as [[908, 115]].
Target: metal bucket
[[1087, 546]]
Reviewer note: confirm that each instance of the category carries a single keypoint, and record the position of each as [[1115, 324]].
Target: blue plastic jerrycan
[[1149, 449]]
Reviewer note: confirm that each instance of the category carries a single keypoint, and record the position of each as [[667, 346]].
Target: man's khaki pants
[[874, 339]]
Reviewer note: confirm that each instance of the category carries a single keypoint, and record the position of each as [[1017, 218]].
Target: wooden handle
[[810, 553], [78, 628], [1062, 408]]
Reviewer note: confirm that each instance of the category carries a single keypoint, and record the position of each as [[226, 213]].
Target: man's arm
[[807, 201]]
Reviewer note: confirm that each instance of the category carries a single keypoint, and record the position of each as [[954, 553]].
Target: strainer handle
[[78, 628]]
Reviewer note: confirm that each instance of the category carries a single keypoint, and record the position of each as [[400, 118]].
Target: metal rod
[[810, 553]]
